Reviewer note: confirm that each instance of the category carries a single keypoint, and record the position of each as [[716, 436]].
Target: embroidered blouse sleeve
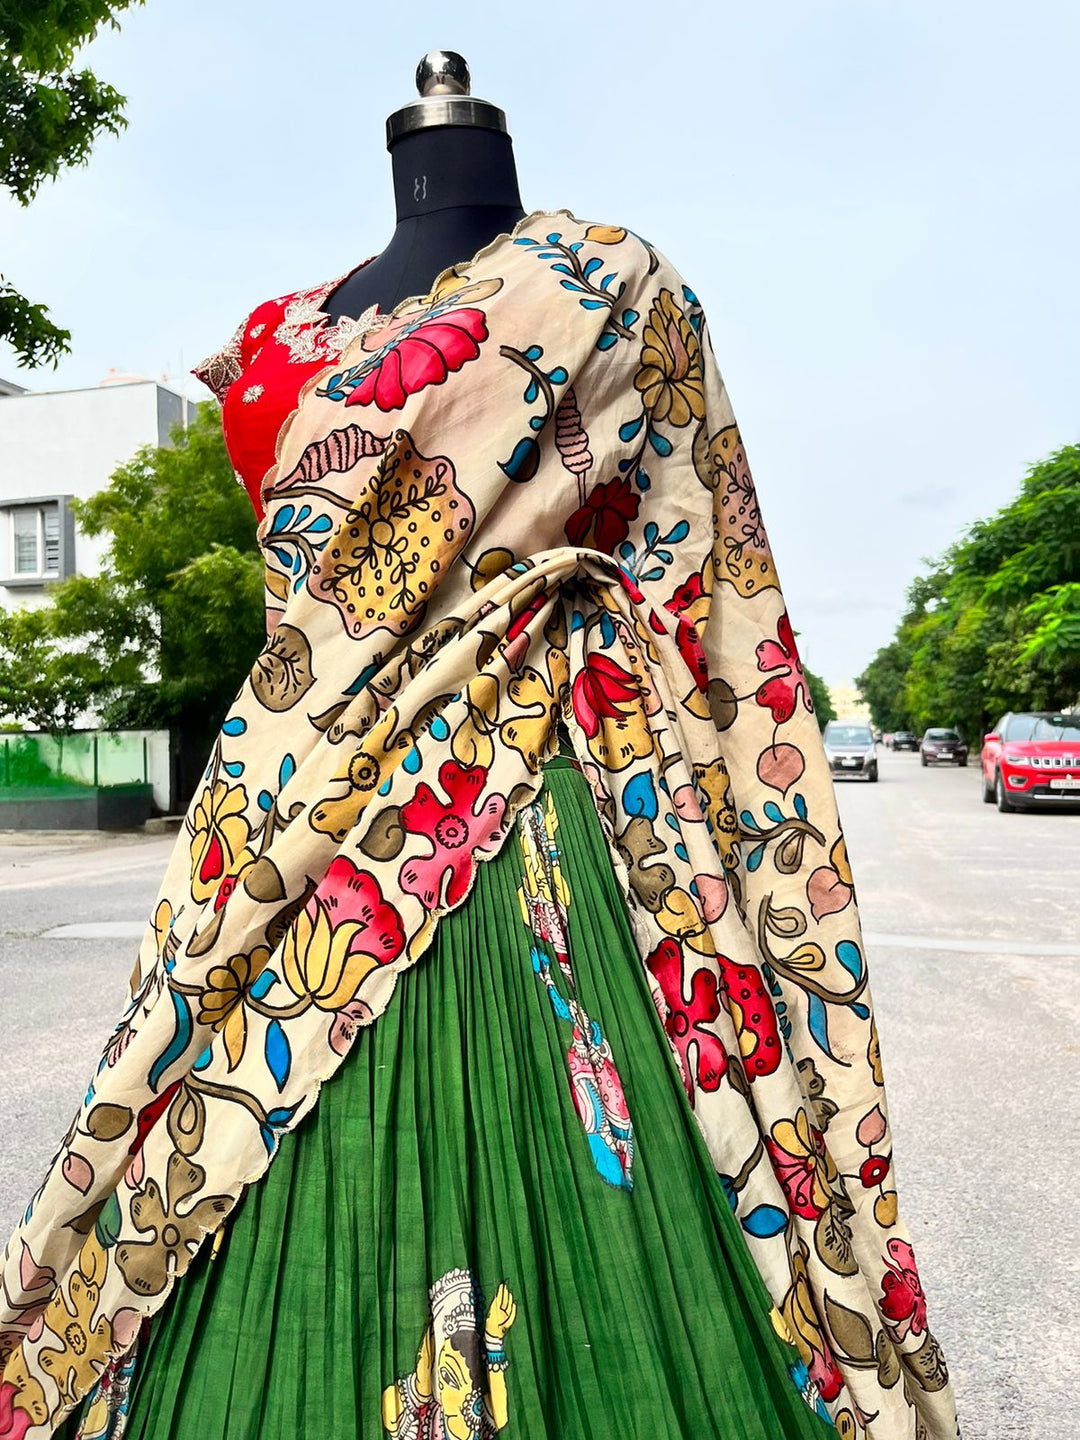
[[223, 367]]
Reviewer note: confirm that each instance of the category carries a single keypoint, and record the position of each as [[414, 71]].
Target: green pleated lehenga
[[475, 1232]]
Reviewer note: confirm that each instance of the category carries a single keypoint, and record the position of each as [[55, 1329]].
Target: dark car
[[850, 750], [905, 740], [1032, 759], [943, 747]]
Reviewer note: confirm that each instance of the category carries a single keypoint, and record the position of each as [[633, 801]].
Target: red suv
[[1032, 759]]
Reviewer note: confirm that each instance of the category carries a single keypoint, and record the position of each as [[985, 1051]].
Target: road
[[972, 921]]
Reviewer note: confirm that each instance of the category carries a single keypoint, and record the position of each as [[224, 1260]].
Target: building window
[[35, 540]]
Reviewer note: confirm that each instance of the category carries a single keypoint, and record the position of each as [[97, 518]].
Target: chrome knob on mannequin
[[455, 187]]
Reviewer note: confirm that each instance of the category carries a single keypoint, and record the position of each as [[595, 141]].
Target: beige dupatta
[[520, 499]]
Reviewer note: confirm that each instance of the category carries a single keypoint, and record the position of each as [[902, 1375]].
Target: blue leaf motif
[[639, 797], [754, 859], [181, 1035], [235, 726], [264, 982], [800, 807], [764, 1221], [287, 770], [278, 1054], [773, 811], [850, 956]]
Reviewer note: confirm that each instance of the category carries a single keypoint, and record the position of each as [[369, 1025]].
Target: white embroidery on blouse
[[306, 332], [255, 331], [252, 393]]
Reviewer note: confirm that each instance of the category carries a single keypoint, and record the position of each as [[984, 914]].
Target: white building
[[56, 445]]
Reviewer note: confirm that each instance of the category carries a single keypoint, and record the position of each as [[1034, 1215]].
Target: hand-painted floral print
[[384, 746]]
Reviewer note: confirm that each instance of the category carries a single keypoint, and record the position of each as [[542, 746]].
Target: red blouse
[[258, 374]]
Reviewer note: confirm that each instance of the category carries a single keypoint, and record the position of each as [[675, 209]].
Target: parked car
[[943, 747], [1032, 758], [850, 749], [905, 740]]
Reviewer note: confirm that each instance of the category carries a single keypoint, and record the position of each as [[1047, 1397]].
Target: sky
[[877, 202]]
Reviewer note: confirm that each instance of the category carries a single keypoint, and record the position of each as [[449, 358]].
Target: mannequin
[[455, 188]]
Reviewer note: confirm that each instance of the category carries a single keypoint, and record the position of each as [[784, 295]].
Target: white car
[[850, 749]]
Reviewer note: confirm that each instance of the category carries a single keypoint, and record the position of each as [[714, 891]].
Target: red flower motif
[[686, 1019], [604, 519], [350, 894], [14, 1422], [782, 692], [597, 691], [797, 1152], [688, 593], [873, 1171], [425, 354], [457, 829], [903, 1301], [689, 644], [224, 890], [826, 1374]]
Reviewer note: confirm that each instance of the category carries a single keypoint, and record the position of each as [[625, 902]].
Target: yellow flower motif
[[803, 1165], [84, 1344], [798, 1311], [316, 960], [670, 376], [679, 916], [605, 234], [219, 833], [221, 1004]]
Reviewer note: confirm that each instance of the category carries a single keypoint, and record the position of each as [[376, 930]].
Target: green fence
[[39, 764]]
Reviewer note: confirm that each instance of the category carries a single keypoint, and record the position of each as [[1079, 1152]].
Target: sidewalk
[[33, 858]]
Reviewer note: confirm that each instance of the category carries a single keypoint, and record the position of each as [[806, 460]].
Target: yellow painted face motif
[[458, 1394]]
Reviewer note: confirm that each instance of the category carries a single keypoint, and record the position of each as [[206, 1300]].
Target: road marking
[[970, 947], [106, 871], [98, 930]]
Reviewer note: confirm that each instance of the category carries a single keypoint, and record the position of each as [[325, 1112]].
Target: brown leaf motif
[[282, 674]]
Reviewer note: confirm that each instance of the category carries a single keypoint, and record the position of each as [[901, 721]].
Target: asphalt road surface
[[972, 921]]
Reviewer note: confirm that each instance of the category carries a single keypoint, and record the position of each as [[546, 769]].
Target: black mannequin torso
[[455, 190]]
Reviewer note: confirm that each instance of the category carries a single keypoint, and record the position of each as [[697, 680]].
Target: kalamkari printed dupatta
[[519, 500]]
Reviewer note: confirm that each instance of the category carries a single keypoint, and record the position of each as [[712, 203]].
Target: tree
[[166, 633], [40, 685], [995, 624], [819, 694], [50, 116]]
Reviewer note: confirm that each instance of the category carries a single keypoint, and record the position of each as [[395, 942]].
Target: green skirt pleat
[[449, 1141]]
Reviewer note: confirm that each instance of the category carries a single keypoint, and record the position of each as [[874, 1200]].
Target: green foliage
[[819, 694], [41, 684], [995, 625], [50, 117], [166, 633]]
